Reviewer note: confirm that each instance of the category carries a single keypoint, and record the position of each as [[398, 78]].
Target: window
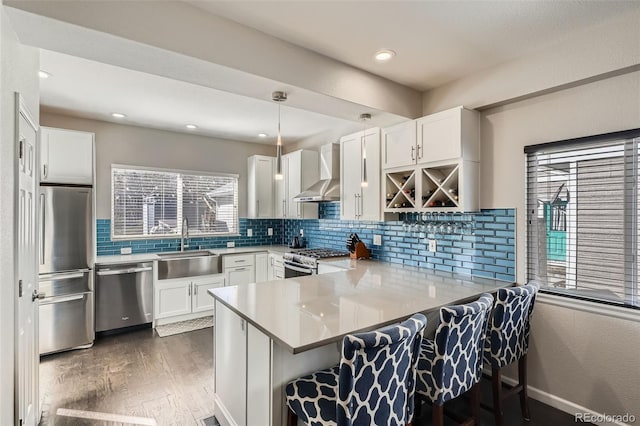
[[155, 203], [582, 218]]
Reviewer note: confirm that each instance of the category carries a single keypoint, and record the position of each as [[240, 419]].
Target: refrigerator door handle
[[61, 299], [64, 275], [42, 222]]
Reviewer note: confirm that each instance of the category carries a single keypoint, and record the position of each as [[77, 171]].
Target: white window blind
[[582, 224], [153, 203]]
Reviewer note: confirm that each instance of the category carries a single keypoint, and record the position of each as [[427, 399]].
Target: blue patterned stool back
[[452, 363], [377, 375], [508, 335]]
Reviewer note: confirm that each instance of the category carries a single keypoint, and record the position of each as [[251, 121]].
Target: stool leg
[[438, 415], [522, 378], [497, 396], [475, 403], [417, 407], [292, 418]]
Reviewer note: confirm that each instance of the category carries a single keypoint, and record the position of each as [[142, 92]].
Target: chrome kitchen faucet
[[185, 234]]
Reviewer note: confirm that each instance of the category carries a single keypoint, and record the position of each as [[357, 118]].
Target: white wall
[[18, 72], [141, 146], [607, 48], [589, 359]]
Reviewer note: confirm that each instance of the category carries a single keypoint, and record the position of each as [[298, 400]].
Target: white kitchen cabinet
[[275, 267], [260, 186], [176, 298], [66, 156], [230, 366], [201, 301], [239, 268], [444, 174], [300, 170], [449, 135], [399, 146], [360, 202], [240, 275], [262, 268], [173, 298]]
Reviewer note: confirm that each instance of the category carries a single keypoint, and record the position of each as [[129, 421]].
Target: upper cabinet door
[[369, 200], [66, 156], [449, 135], [399, 145], [260, 181], [350, 175]]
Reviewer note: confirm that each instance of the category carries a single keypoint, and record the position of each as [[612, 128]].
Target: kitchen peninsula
[[269, 333]]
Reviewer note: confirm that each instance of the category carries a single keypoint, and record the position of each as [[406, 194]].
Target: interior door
[[26, 356]]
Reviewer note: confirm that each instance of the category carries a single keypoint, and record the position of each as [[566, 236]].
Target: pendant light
[[364, 117], [279, 97]]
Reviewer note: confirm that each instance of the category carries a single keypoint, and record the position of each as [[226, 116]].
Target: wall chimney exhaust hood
[[328, 187]]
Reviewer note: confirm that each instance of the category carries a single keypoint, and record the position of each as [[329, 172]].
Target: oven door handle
[[295, 267]]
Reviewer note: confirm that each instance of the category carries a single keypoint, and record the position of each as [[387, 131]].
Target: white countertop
[[148, 257], [307, 312]]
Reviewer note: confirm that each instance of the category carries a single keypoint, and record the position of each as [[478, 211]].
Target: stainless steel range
[[300, 263]]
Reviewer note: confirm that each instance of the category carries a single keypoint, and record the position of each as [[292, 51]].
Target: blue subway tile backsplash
[[489, 251]]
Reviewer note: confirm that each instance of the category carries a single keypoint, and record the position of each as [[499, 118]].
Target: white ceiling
[[90, 89], [435, 41]]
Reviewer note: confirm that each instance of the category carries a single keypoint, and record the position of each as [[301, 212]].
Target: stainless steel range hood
[[328, 187]]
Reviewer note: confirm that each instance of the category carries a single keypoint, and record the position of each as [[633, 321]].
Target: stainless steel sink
[[187, 264], [182, 254]]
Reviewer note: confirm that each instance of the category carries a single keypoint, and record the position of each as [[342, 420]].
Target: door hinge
[[19, 288], [21, 149]]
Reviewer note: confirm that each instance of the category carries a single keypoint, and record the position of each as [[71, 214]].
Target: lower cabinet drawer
[[233, 260]]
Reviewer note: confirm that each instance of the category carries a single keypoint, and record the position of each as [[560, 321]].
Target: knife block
[[361, 251]]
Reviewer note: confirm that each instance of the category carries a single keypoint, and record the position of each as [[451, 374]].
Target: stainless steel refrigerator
[[66, 250]]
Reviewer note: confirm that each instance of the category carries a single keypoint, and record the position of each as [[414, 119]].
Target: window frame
[[193, 234], [625, 135]]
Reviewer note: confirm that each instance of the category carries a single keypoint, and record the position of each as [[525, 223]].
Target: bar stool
[[373, 385], [508, 342], [451, 364]]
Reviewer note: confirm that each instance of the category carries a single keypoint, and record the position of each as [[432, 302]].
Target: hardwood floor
[[168, 379]]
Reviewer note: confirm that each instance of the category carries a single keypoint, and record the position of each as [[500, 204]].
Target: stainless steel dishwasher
[[124, 295]]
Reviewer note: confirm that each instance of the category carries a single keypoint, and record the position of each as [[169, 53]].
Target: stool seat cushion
[[313, 397]]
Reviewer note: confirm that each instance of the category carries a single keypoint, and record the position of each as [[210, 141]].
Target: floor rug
[[184, 326], [211, 421]]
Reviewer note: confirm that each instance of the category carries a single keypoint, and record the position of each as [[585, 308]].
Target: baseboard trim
[[561, 404]]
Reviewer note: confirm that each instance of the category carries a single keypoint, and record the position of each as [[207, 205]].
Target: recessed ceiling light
[[191, 126], [384, 55], [118, 115], [43, 74], [262, 135]]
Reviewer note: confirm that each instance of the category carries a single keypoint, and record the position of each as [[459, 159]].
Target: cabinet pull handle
[[413, 149], [189, 290], [42, 229], [257, 208], [355, 199], [242, 324], [241, 269], [284, 208], [418, 151], [44, 170], [195, 289]]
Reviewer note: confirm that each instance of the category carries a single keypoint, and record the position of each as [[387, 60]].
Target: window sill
[[172, 237], [612, 311]]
